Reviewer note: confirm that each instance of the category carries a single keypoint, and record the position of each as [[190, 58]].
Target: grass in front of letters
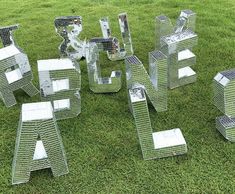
[[101, 144]]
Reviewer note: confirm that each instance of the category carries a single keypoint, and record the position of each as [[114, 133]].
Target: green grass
[[101, 144]]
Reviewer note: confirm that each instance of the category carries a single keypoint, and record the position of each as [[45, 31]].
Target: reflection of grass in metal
[[12, 68], [1, 44], [97, 83]]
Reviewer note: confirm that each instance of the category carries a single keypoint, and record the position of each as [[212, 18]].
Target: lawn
[[101, 144]]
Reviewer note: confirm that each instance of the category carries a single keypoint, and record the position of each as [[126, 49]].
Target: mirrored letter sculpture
[[154, 85], [97, 83], [15, 70], [6, 34], [60, 83], [120, 53], [69, 28], [177, 43], [38, 143], [224, 98], [158, 144]]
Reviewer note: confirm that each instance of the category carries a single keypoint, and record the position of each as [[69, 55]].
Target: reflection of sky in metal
[[177, 37]]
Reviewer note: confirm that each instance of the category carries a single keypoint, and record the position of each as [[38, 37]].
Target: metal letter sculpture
[[69, 28], [15, 70], [154, 85], [6, 34], [159, 144], [60, 83], [177, 44], [224, 97], [120, 53], [97, 83], [38, 143]]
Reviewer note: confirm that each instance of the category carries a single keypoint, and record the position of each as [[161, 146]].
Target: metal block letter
[[60, 83], [38, 143], [120, 53], [177, 43], [69, 28], [154, 144], [15, 70], [155, 84], [224, 98], [97, 83]]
